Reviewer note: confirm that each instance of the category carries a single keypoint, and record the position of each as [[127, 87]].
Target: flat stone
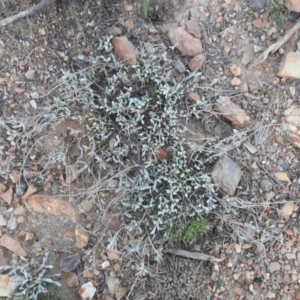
[[292, 5], [235, 70], [47, 205], [291, 126], [113, 284], [128, 24], [86, 205], [12, 224], [82, 237], [192, 27], [227, 174], [124, 50], [197, 62], [232, 111], [87, 291], [287, 210], [7, 286], [185, 42], [236, 81], [70, 263], [71, 279], [193, 97], [12, 245], [179, 66], [88, 274], [290, 256], [257, 3], [113, 222], [290, 66], [2, 221], [115, 31], [30, 74], [274, 266], [20, 210], [266, 185]]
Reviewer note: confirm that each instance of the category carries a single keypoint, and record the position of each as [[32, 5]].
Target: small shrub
[[30, 277], [129, 113]]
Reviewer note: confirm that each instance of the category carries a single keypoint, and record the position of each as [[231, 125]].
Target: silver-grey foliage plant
[[130, 112], [31, 278]]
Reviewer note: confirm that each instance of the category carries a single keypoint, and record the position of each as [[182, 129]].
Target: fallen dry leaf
[[31, 190], [282, 176], [7, 196], [287, 210], [46, 205], [113, 254], [15, 176], [120, 293], [71, 174], [19, 90], [12, 245]]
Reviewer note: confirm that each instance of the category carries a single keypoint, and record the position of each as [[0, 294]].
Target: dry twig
[[193, 255], [25, 13], [276, 46]]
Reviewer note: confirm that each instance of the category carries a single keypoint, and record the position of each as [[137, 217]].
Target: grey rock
[[290, 256], [179, 66], [30, 74], [227, 174], [70, 263], [12, 224], [274, 266], [257, 3], [141, 296], [266, 185]]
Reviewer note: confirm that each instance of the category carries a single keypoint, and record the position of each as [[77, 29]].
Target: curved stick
[[276, 46], [25, 13]]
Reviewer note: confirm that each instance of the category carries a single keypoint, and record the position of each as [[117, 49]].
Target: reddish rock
[[232, 111], [197, 62], [162, 153], [47, 205], [293, 5], [12, 245], [124, 50], [113, 222], [192, 27], [194, 97], [290, 66], [185, 42], [257, 23]]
